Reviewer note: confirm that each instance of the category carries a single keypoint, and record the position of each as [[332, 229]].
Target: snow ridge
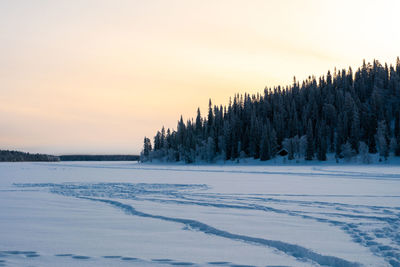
[[372, 226], [296, 251]]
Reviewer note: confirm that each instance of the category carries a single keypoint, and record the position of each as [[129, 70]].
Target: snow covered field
[[124, 214]]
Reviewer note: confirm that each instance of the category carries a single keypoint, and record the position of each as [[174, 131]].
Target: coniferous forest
[[15, 156], [346, 113]]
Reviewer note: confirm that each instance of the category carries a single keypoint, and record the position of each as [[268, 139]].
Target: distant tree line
[[13, 156], [344, 113], [99, 157]]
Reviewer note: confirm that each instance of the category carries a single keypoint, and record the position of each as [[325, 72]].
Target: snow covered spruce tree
[[145, 155], [342, 113]]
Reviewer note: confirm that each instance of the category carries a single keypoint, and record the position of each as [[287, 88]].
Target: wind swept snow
[[123, 213]]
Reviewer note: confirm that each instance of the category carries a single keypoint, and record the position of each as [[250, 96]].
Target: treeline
[[14, 156], [346, 113], [99, 158]]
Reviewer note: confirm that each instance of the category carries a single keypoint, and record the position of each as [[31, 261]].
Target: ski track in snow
[[10, 256], [374, 227]]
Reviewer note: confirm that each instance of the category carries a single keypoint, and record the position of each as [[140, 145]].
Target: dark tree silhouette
[[11, 155], [334, 112]]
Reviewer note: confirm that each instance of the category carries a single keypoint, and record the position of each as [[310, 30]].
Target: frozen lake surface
[[124, 214]]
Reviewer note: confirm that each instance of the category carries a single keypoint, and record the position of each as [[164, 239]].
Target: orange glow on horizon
[[98, 76]]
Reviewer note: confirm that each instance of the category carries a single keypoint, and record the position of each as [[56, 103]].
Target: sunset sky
[[97, 76]]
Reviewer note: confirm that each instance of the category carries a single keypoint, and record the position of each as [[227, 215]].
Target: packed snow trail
[[386, 219], [296, 251], [198, 215]]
